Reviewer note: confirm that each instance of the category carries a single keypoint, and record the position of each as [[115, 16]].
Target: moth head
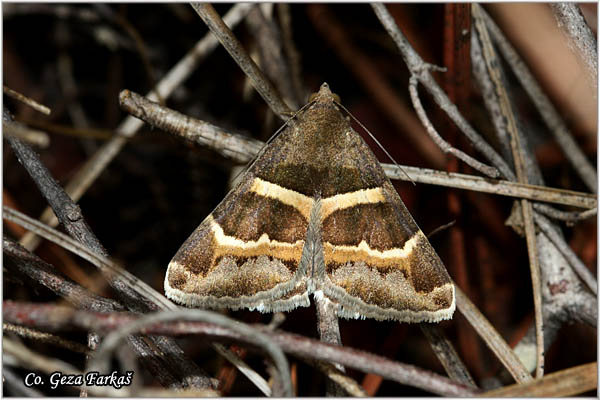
[[324, 95]]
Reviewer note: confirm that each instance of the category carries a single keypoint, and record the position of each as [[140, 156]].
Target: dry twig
[[57, 317], [549, 114], [94, 166], [26, 100], [237, 52], [518, 153], [420, 71]]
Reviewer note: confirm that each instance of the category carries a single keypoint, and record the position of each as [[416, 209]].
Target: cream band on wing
[[287, 196], [229, 245], [350, 199], [341, 254]]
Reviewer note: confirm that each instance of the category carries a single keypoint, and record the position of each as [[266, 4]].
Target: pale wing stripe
[[364, 248], [287, 196], [224, 240], [351, 199]]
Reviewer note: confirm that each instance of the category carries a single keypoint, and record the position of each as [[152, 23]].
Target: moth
[[313, 214]]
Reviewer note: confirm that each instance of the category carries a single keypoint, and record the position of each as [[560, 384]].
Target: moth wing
[[378, 263], [245, 254]]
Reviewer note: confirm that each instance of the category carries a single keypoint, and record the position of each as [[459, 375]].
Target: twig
[[500, 122], [577, 265], [496, 75], [100, 361], [285, 20], [108, 267], [37, 361], [254, 377], [26, 100], [237, 52], [565, 300], [565, 383], [27, 263], [66, 210], [236, 147], [30, 265], [445, 352], [128, 281], [243, 149], [31, 136], [270, 50], [420, 70], [570, 19], [568, 216], [94, 166], [340, 379], [61, 11], [56, 318], [442, 144], [491, 337], [126, 285], [549, 114], [329, 332], [563, 296], [44, 337]]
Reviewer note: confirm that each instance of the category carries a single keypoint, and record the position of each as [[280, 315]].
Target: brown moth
[[314, 214]]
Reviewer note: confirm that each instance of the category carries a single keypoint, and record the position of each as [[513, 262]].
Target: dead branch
[[58, 317]]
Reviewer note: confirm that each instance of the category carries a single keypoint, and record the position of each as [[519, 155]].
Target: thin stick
[[243, 149], [54, 317], [549, 114], [26, 100], [270, 51], [340, 379], [27, 263], [39, 362], [128, 280], [445, 352], [491, 337], [329, 332], [494, 186], [578, 266], [94, 166], [495, 73], [28, 135], [254, 377], [45, 338], [285, 20], [67, 211], [100, 361], [110, 268], [419, 69], [39, 271], [262, 85], [435, 136], [236, 147], [572, 22], [565, 383], [568, 216]]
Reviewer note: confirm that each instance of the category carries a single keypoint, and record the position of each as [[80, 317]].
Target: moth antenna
[[273, 136], [376, 141]]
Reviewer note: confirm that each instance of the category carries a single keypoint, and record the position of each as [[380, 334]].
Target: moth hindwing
[[314, 212]]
